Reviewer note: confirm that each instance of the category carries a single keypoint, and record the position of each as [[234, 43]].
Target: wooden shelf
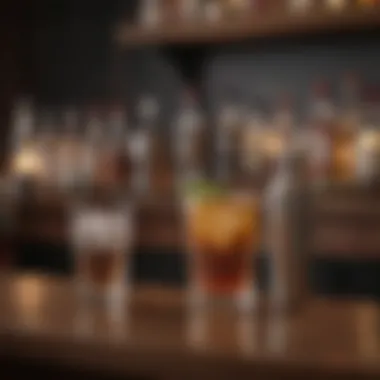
[[252, 27]]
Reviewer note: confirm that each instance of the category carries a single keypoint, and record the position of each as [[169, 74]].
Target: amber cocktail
[[222, 233]]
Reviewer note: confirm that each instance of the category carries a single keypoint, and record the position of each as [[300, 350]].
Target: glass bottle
[[252, 153], [227, 145], [68, 150], [92, 149], [188, 141], [25, 162], [345, 135], [368, 142], [145, 146], [116, 157], [319, 139]]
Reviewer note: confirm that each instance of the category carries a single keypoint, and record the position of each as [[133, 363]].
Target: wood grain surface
[[42, 321]]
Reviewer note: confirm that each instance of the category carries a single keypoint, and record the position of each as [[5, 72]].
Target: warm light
[[369, 140], [28, 296], [273, 144], [28, 162]]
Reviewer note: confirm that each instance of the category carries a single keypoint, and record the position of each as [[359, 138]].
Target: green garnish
[[204, 188]]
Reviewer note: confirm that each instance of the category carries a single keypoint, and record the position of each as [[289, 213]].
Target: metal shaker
[[287, 232]]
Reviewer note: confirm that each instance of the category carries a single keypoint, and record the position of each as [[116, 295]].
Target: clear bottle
[[228, 140], [254, 148], [145, 146], [25, 161], [188, 141], [23, 124], [68, 150], [323, 122], [286, 205]]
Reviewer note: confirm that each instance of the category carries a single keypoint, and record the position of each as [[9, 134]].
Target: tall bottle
[[320, 133], [25, 162], [286, 206], [228, 146], [143, 145], [367, 149], [23, 122], [92, 148], [188, 141], [67, 152], [345, 135], [116, 156]]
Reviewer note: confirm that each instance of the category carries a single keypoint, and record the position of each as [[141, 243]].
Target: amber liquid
[[223, 272], [342, 166], [223, 235], [100, 267]]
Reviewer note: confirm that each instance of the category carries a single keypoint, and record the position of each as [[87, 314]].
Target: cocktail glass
[[222, 236]]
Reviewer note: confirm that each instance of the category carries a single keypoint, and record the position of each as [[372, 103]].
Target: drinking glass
[[101, 234], [222, 237]]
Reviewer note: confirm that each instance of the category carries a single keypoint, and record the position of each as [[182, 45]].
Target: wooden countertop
[[42, 321]]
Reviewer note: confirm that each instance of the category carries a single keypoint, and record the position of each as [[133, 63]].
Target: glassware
[[345, 134], [101, 235], [320, 137], [222, 237], [145, 147], [367, 149], [26, 163], [228, 145], [189, 142]]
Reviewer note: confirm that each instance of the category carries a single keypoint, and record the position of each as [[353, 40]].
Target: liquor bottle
[[114, 154], [344, 137], [189, 138], [23, 123], [368, 143], [227, 141], [252, 155], [68, 151], [319, 136], [26, 164], [92, 149], [145, 145], [48, 143], [286, 219]]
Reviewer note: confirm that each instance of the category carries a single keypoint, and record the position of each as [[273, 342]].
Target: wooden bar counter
[[43, 325]]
